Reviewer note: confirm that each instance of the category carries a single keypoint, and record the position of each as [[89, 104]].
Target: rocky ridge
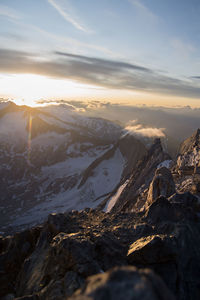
[[55, 260], [145, 247]]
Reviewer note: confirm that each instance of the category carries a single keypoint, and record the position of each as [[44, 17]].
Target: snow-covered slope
[[45, 155]]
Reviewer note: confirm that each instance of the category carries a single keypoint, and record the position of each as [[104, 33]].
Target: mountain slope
[[132, 192], [57, 161]]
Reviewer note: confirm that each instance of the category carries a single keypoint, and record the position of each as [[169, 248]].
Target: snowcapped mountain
[[56, 159]]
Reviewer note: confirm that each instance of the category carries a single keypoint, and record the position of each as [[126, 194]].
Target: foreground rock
[[124, 283], [54, 260]]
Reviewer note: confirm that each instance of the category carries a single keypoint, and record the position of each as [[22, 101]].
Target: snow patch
[[166, 163], [110, 204]]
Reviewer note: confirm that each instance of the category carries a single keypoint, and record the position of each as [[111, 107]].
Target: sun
[[28, 89]]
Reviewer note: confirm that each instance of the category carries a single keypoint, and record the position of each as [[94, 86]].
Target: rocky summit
[[96, 255], [140, 238]]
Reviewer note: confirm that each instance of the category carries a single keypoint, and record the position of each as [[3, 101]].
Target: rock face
[[125, 254], [161, 185], [124, 283], [55, 260], [187, 167], [141, 178]]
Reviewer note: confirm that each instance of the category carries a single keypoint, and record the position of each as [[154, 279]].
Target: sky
[[131, 51]]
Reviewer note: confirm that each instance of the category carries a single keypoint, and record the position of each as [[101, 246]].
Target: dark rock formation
[[132, 150], [14, 250], [124, 283], [141, 177], [161, 185], [187, 199], [188, 159], [55, 260]]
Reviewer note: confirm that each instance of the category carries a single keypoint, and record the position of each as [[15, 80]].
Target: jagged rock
[[141, 177], [160, 210], [51, 260], [188, 160], [82, 252], [188, 199], [152, 249], [163, 210], [91, 242], [174, 257], [161, 185], [14, 251], [191, 142], [133, 149], [124, 283]]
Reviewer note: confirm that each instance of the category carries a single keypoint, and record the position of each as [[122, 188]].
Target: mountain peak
[[197, 137], [190, 143], [156, 147]]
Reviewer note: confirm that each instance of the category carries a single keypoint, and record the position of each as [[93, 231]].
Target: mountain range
[[89, 211]]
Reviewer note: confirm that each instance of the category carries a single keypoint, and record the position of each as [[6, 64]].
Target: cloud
[[68, 16], [139, 131], [13, 36], [182, 48], [195, 77], [144, 10], [111, 65], [112, 74], [7, 12]]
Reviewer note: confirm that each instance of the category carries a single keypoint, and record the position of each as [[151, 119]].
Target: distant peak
[[197, 133], [197, 137], [156, 147]]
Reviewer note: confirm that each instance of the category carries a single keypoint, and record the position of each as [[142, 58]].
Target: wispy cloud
[[71, 43], [62, 10], [144, 10], [182, 48], [106, 73], [141, 131], [7, 12], [13, 36], [195, 77]]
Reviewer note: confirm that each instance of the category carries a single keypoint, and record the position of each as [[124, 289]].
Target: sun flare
[[29, 88]]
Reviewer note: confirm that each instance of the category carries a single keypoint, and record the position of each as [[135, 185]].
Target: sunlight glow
[[29, 138], [28, 88], [34, 90]]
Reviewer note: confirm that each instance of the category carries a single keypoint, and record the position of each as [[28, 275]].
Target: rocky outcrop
[[124, 283], [56, 259], [188, 160], [188, 199], [132, 150], [186, 170], [13, 251], [141, 177], [161, 185]]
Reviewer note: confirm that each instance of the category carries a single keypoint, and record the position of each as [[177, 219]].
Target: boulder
[[174, 256], [14, 250], [124, 283], [161, 185], [152, 249], [188, 199]]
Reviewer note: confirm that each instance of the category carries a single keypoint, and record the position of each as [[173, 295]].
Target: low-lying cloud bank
[[96, 71], [141, 131]]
